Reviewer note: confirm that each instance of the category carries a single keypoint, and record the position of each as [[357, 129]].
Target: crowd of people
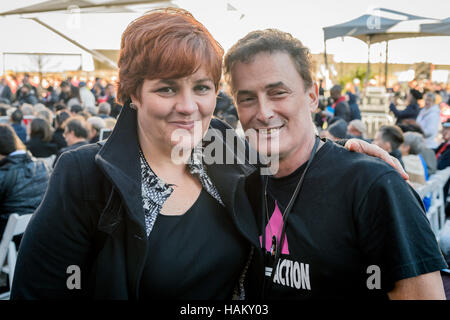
[[418, 139], [36, 130]]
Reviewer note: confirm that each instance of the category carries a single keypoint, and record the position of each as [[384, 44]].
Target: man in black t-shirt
[[334, 224]]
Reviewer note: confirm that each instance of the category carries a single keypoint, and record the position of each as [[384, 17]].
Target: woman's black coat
[[92, 218]]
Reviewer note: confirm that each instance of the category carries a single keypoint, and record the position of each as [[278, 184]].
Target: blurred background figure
[[76, 133], [40, 143], [24, 178], [357, 129], [340, 106], [412, 108], [414, 164], [429, 120], [16, 123], [5, 92], [336, 131], [390, 138], [443, 150], [97, 124]]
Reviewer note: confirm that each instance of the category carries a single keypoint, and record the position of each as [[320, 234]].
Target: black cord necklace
[[275, 250]]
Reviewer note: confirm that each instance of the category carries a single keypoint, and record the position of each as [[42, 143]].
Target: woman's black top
[[197, 255]]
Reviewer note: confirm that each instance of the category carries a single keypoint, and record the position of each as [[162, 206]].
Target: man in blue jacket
[[412, 109]]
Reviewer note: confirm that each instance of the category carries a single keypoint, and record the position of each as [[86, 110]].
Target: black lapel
[[119, 160]]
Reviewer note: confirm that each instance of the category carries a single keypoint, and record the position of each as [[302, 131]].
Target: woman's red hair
[[165, 44]]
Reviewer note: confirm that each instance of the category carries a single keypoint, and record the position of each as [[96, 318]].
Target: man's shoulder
[[354, 164]]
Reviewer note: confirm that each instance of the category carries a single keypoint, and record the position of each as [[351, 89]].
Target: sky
[[303, 19]]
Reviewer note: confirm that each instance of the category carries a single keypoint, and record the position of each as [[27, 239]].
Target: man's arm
[[424, 287]]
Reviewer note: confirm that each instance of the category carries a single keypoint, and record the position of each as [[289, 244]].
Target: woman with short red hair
[[141, 216]]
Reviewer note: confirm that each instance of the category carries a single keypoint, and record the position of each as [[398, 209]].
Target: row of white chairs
[[434, 188], [16, 225]]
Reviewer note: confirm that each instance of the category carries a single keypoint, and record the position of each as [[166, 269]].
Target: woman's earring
[[133, 106]]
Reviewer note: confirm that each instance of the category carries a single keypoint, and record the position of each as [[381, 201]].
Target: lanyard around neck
[[286, 213]]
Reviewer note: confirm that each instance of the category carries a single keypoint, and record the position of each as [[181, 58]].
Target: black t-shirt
[[197, 255], [355, 224]]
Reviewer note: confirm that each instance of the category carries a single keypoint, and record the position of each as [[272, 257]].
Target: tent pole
[[325, 57], [95, 54], [386, 66], [368, 62]]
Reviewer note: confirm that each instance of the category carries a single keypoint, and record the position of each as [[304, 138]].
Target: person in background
[[75, 98], [340, 105], [5, 92], [357, 129], [443, 150], [87, 98], [429, 120], [389, 138], [97, 124], [23, 178], [58, 134], [76, 133], [65, 94], [336, 131], [412, 109], [40, 144], [110, 92], [355, 113], [414, 164], [104, 110], [16, 119], [75, 109], [25, 95]]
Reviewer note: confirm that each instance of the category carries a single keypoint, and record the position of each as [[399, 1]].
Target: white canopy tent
[[381, 25], [58, 26]]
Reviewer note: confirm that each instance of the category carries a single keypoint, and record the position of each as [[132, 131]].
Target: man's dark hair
[[78, 126], [17, 116], [76, 108], [59, 107], [393, 135], [8, 139], [336, 88], [270, 41], [60, 118]]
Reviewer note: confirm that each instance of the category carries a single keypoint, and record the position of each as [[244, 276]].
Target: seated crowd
[[35, 132]]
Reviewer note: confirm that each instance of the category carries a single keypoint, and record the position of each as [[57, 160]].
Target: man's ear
[[313, 97]]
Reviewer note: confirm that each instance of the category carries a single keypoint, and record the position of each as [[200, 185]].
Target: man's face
[[353, 131], [110, 91], [378, 140], [69, 136], [446, 134], [429, 101], [271, 99], [335, 94]]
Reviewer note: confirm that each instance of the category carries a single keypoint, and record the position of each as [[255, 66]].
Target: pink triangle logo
[[276, 225]]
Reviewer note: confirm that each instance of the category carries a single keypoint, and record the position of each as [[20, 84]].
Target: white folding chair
[[8, 252]]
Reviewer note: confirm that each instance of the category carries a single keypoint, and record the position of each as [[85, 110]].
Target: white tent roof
[[62, 27]]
